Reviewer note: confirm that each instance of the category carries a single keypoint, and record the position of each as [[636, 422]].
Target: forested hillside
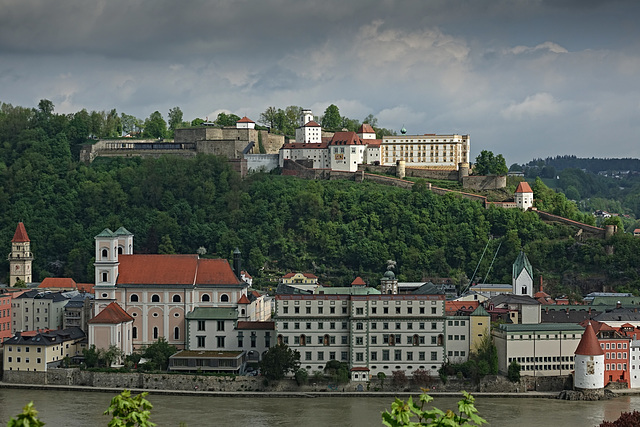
[[336, 229]]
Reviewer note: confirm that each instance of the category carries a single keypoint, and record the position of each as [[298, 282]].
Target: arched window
[[134, 298], [105, 253], [440, 339], [134, 333], [155, 332], [416, 340], [303, 340], [176, 333], [155, 298], [120, 250], [392, 339], [280, 340], [242, 312], [206, 298], [224, 298], [325, 341], [176, 298]]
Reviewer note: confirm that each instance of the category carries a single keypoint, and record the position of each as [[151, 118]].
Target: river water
[[81, 409]]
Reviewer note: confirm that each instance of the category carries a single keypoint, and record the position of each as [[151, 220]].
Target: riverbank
[[280, 394]]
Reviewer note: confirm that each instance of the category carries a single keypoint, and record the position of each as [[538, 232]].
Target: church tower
[[20, 257], [524, 196], [106, 263], [589, 363], [522, 277]]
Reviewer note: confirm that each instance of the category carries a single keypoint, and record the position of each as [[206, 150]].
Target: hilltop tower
[[20, 257], [589, 363], [524, 196]]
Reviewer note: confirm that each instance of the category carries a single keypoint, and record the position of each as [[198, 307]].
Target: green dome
[[389, 274]]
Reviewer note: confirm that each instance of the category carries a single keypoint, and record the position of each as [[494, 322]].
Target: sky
[[524, 78]]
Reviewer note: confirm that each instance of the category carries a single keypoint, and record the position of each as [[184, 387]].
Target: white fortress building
[[589, 363]]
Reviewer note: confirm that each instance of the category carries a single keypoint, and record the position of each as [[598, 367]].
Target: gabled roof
[[58, 282], [46, 337], [524, 187], [479, 311], [589, 345], [245, 119], [20, 235], [304, 145], [244, 300], [105, 233], [373, 143], [366, 128], [174, 270], [346, 138], [247, 275], [112, 314], [358, 282], [123, 232], [307, 275], [522, 263], [213, 313], [311, 124]]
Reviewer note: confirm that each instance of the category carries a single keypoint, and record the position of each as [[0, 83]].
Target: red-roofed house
[[346, 151], [524, 196], [299, 278], [58, 284], [245, 123], [112, 326], [20, 257], [158, 290], [309, 132], [358, 282]]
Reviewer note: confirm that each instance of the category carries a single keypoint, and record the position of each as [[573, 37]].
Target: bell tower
[[20, 257]]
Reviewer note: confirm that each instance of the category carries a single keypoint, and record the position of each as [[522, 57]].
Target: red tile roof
[[453, 306], [307, 275], [244, 300], [20, 235], [58, 282], [366, 128], [245, 119], [269, 326], [112, 314], [346, 138], [85, 287], [358, 282], [305, 145], [247, 275], [174, 270], [312, 124], [589, 345], [373, 142], [360, 368], [524, 187]]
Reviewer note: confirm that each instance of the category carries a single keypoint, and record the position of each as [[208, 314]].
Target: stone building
[[21, 257]]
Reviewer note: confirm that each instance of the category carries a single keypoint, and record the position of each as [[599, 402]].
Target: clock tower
[[20, 257]]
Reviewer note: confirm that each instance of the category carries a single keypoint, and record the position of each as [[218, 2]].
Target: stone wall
[[449, 175], [261, 162], [387, 180], [595, 231], [481, 182]]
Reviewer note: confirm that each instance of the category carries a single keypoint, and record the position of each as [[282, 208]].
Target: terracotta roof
[[268, 326], [524, 187], [366, 128], [247, 275], [311, 124], [20, 235], [359, 368], [358, 282], [85, 287], [452, 306], [113, 314], [245, 119], [256, 293], [244, 300], [174, 270], [589, 345], [373, 142], [346, 138], [307, 275], [58, 282], [306, 145]]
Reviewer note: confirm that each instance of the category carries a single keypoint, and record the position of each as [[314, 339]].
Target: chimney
[[541, 284], [236, 262], [618, 304]]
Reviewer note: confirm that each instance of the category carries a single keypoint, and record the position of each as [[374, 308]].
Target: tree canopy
[[488, 164], [278, 361]]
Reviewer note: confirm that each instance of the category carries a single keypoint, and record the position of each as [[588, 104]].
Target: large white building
[[427, 151]]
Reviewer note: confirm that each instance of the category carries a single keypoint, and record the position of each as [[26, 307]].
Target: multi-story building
[[35, 309], [429, 150], [371, 331], [40, 350], [78, 311], [159, 290], [5, 316], [545, 349], [634, 375], [112, 327]]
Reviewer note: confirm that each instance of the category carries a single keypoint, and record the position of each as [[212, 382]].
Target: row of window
[[178, 298], [26, 349], [613, 356], [612, 366], [542, 359], [201, 341], [360, 325], [26, 360], [26, 309], [611, 346]]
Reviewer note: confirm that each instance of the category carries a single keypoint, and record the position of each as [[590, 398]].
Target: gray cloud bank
[[524, 78]]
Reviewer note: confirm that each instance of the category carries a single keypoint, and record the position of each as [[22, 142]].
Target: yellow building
[[428, 150], [40, 350], [299, 278], [480, 323]]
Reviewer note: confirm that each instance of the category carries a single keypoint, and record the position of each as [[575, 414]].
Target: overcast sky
[[525, 78]]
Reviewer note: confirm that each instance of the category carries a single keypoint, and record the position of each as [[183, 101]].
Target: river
[[81, 409]]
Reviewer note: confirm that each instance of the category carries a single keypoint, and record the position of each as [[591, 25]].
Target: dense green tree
[[513, 372], [331, 119], [225, 119], [269, 117], [158, 353], [175, 118], [278, 361], [489, 164], [128, 411], [155, 126]]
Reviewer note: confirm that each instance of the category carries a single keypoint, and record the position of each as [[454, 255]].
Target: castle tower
[[309, 132], [306, 117], [524, 196], [20, 257], [522, 277], [589, 363], [366, 131], [125, 241], [106, 263], [389, 283]]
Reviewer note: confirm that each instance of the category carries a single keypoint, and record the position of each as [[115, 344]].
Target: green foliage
[[513, 373], [158, 353], [278, 361], [488, 164], [130, 411], [338, 372], [20, 284], [331, 120], [155, 126], [399, 378], [28, 418], [411, 415], [225, 119], [301, 376], [482, 362]]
